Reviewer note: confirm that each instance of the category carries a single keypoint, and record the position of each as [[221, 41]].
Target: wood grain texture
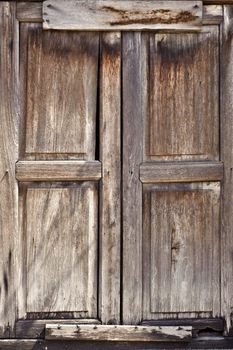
[[32, 12], [8, 155], [227, 157], [110, 186], [29, 12], [121, 15], [132, 87], [61, 92], [31, 329], [183, 109], [152, 172], [182, 256], [118, 333], [58, 170], [61, 238]]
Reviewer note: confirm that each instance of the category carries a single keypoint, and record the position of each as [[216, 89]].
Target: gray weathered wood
[[8, 156], [110, 198], [61, 249], [118, 333], [121, 15], [181, 249], [61, 92], [29, 12], [32, 12], [59, 170], [30, 329], [132, 87], [183, 94], [152, 172], [227, 157]]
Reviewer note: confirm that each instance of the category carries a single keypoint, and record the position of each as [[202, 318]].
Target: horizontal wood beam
[[35, 329], [32, 12], [152, 172], [117, 333], [118, 15], [59, 170]]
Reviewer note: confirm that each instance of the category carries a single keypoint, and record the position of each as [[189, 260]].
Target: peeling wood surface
[[121, 15], [58, 170], [8, 156], [152, 172], [61, 249], [118, 333]]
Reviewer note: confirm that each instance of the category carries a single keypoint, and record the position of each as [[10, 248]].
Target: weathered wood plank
[[151, 172], [30, 329], [183, 108], [8, 154], [59, 170], [184, 248], [61, 249], [110, 195], [227, 158], [29, 12], [117, 333], [132, 87], [61, 112], [121, 15], [32, 12]]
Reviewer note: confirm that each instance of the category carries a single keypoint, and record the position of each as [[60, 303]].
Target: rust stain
[[162, 16]]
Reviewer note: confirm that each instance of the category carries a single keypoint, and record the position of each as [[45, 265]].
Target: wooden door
[[116, 155]]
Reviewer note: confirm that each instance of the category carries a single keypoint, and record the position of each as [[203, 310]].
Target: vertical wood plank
[[110, 155], [132, 188], [8, 156], [227, 157]]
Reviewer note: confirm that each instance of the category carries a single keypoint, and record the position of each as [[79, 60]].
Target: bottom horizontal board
[[117, 333]]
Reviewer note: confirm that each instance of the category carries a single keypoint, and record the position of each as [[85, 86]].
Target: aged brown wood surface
[[110, 199], [152, 172], [60, 170], [132, 85], [8, 156], [118, 333], [121, 15], [181, 249], [61, 247], [183, 112], [61, 92], [227, 157]]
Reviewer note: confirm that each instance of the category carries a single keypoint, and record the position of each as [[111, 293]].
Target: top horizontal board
[[122, 15]]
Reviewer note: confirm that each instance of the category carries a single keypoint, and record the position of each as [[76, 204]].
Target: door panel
[[181, 249], [61, 77], [183, 90], [61, 231]]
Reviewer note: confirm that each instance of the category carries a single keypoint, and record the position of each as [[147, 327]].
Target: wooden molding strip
[[112, 15], [152, 172], [64, 170], [117, 333], [32, 12]]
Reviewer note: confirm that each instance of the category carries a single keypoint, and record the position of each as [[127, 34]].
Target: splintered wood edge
[[118, 333], [58, 171], [151, 172]]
